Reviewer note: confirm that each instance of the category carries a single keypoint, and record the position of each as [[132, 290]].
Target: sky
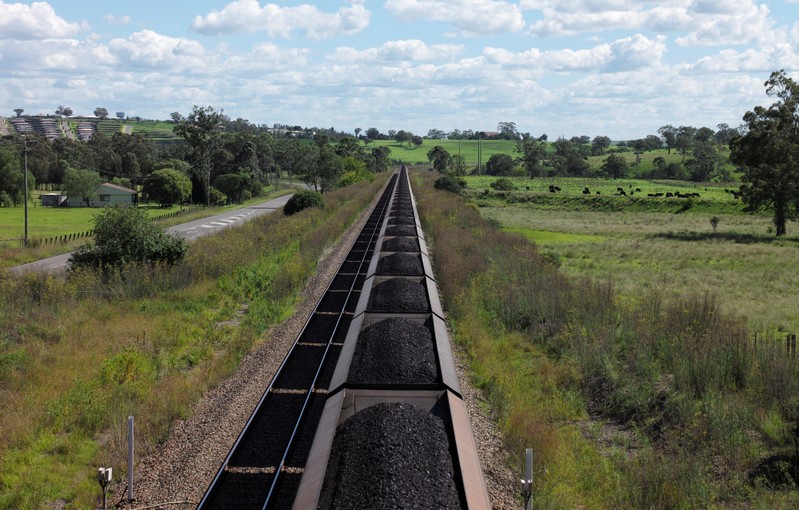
[[617, 68]]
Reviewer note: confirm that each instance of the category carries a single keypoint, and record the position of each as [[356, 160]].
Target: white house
[[107, 194]]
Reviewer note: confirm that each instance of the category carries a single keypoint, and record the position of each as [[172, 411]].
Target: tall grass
[[78, 356], [556, 354]]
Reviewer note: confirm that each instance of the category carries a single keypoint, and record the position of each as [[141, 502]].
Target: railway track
[[375, 341]]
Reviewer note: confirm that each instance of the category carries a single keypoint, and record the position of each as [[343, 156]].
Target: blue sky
[[620, 68]]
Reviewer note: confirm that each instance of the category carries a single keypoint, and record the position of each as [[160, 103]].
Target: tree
[[168, 186], [440, 158], [203, 131], [768, 153], [101, 113], [378, 159], [402, 136], [458, 165], [436, 134], [416, 140], [532, 152], [233, 185], [706, 157], [81, 183], [507, 130], [66, 111], [614, 166], [357, 132], [669, 134], [176, 117], [499, 164], [12, 180], [125, 235], [19, 111], [599, 145], [373, 134]]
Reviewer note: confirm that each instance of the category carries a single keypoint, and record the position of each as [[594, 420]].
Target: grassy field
[[467, 148], [645, 243], [146, 342], [48, 222], [599, 347]]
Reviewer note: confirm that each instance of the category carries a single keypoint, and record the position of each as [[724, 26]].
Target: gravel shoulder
[[177, 474]]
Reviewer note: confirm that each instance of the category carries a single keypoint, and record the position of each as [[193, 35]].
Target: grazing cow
[[586, 191], [638, 190], [619, 189], [669, 195], [598, 192]]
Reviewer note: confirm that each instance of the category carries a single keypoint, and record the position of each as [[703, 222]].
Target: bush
[[503, 184], [125, 235], [303, 200], [450, 183]]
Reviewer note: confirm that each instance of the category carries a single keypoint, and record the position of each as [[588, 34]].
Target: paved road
[[189, 231]]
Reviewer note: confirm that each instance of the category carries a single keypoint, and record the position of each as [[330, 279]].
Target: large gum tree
[[768, 153]]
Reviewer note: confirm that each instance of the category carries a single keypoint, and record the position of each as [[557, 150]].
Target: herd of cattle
[[621, 192]]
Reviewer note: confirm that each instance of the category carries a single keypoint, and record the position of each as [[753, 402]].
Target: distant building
[[53, 199], [108, 194]]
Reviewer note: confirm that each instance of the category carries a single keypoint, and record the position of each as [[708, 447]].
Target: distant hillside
[[159, 132]]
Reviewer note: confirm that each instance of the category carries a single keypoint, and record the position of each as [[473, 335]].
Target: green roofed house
[[108, 194]]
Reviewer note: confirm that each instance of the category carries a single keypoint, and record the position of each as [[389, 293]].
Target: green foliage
[[440, 158], [503, 184], [769, 152], [12, 180], [302, 200], [615, 166], [168, 186], [500, 164], [450, 183], [79, 183], [124, 235]]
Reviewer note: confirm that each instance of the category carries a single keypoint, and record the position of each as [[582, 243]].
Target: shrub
[[303, 200], [503, 184], [124, 235], [450, 183]]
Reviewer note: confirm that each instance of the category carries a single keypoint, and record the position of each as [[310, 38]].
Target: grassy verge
[[48, 222], [645, 400], [78, 356]]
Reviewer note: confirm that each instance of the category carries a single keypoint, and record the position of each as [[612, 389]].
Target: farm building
[[107, 194], [53, 199]]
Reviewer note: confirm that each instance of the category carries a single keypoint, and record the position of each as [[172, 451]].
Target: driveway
[[189, 231]]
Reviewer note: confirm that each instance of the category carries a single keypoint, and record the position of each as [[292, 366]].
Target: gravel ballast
[[394, 351], [389, 456]]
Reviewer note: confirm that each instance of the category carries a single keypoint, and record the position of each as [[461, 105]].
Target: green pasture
[[604, 194], [467, 148], [742, 262], [46, 222]]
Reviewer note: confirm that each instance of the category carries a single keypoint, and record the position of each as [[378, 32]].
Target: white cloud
[[622, 55], [150, 49], [705, 22], [469, 16], [248, 16], [117, 20], [750, 60], [35, 21], [402, 51]]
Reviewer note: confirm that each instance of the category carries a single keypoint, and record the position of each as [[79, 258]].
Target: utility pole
[[25, 156]]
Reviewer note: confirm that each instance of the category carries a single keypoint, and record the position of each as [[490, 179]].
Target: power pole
[[25, 151]]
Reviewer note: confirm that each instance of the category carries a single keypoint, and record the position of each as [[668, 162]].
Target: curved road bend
[[189, 231]]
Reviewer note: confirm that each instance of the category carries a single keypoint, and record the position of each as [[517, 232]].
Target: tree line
[[222, 160]]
